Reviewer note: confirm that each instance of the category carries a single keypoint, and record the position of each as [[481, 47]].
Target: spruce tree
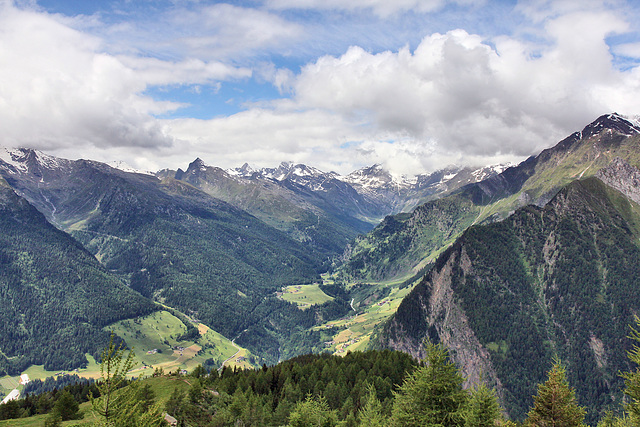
[[313, 412], [66, 406], [555, 404], [432, 395], [483, 409], [632, 379], [371, 413]]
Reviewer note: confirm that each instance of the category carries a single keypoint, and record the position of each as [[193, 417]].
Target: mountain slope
[[310, 212], [55, 297], [535, 180], [507, 296], [174, 243]]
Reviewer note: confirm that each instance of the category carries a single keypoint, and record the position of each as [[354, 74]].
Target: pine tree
[[555, 404], [432, 395], [483, 409], [118, 406], [371, 413], [113, 370], [313, 412], [66, 406], [632, 379]]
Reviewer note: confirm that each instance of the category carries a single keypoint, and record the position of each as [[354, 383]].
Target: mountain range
[[557, 278], [404, 244], [508, 265]]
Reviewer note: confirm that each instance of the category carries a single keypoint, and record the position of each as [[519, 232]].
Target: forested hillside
[[373, 388], [558, 280], [55, 297], [179, 246], [425, 232]]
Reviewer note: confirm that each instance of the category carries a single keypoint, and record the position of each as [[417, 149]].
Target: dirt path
[[234, 354]]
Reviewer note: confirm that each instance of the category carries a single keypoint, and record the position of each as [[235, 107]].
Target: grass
[[355, 330], [163, 387], [9, 383], [160, 331], [304, 295]]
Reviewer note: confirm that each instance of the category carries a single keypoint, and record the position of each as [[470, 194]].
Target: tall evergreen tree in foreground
[[432, 394], [555, 404], [120, 406], [483, 409], [371, 413]]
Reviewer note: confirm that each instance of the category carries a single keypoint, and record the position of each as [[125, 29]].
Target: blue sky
[[412, 84]]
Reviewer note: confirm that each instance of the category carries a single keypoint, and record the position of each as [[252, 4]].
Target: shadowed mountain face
[[561, 279], [55, 297], [172, 242], [415, 239]]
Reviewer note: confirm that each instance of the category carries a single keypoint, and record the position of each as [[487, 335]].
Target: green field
[[158, 331], [162, 387], [355, 330], [304, 295], [155, 340]]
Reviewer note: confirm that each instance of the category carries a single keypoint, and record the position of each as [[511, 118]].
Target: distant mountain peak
[[198, 163], [22, 160], [614, 122], [123, 166]]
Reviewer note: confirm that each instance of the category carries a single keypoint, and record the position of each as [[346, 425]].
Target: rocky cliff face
[[557, 280], [443, 319], [623, 177]]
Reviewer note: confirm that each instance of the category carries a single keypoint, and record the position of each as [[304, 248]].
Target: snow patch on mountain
[[123, 166], [14, 158]]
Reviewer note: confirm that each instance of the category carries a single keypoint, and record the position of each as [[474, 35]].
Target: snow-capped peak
[[20, 160], [14, 157], [244, 171], [123, 166], [634, 120], [377, 176]]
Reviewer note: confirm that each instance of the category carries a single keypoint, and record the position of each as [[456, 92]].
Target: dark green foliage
[[66, 406], [432, 395], [371, 412], [55, 297], [336, 388], [401, 242], [37, 386], [44, 398], [172, 242], [483, 409], [562, 280], [555, 404], [313, 412], [632, 378]]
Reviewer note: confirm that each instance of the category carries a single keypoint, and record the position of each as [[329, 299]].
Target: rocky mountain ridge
[[405, 243], [558, 280]]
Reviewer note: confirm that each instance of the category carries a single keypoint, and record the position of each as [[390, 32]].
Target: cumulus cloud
[[77, 86], [208, 32], [456, 93], [59, 88]]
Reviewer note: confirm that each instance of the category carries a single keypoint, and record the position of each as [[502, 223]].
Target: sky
[[414, 85]]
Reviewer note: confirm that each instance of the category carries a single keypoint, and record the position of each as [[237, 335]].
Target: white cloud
[[58, 88], [631, 50], [78, 85], [453, 99], [469, 98], [382, 8], [209, 32]]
